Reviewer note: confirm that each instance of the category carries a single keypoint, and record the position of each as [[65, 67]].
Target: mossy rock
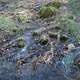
[[54, 4], [22, 18], [46, 12], [21, 42]]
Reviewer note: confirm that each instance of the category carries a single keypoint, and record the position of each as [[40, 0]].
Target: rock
[[52, 34], [43, 39], [71, 46]]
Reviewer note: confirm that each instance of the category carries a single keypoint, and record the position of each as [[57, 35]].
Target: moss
[[21, 42], [46, 12], [23, 18], [54, 4], [49, 10]]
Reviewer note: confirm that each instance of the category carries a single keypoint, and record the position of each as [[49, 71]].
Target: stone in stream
[[70, 47]]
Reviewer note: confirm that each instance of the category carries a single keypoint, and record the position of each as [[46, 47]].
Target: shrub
[[54, 4], [46, 12]]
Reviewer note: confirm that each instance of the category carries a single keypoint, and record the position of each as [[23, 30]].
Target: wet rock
[[43, 39], [71, 46]]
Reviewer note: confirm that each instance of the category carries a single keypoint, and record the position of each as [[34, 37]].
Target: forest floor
[[32, 48]]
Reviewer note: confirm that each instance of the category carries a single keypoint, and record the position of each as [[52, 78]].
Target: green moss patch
[[46, 12], [49, 9], [20, 42], [22, 18], [54, 4]]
